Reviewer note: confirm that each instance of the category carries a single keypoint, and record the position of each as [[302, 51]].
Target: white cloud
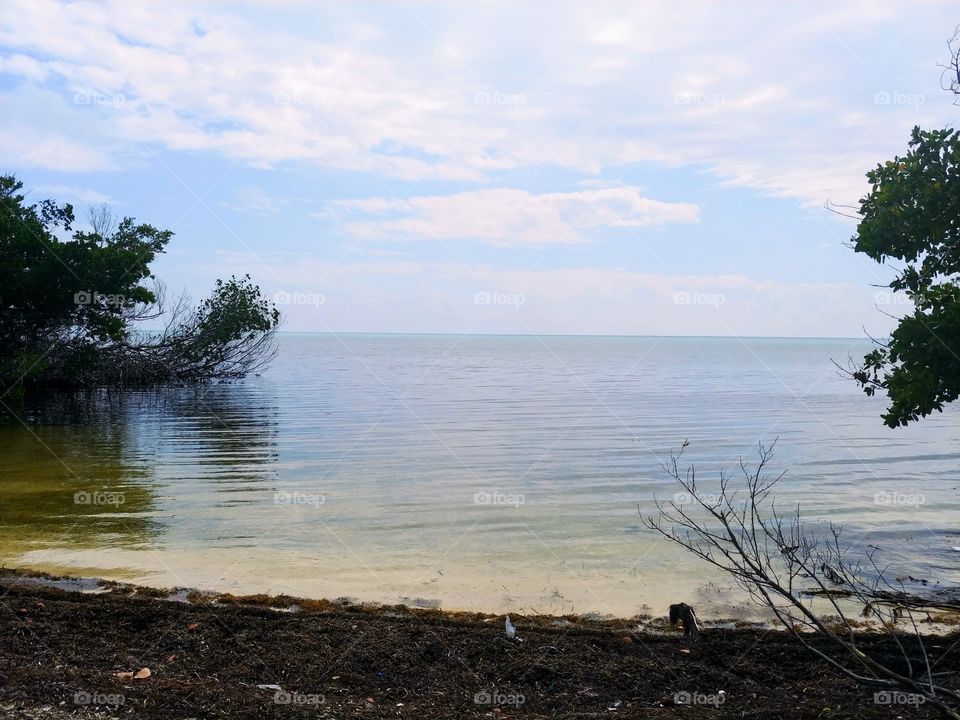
[[407, 296], [23, 66], [614, 34], [32, 149], [599, 86], [62, 193], [256, 200], [504, 216]]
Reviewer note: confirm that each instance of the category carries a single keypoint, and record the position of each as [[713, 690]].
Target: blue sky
[[614, 168]]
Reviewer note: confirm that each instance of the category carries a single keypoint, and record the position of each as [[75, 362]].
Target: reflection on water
[[71, 473], [87, 478], [485, 472]]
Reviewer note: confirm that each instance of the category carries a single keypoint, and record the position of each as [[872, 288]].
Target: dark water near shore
[[500, 473]]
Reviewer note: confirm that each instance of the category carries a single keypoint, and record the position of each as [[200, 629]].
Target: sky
[[641, 167]]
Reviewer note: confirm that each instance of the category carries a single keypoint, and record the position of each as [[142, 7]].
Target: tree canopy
[[76, 305], [911, 217]]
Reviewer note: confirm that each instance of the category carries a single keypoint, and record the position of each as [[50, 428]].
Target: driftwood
[[681, 612]]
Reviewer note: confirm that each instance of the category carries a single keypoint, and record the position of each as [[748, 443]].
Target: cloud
[[410, 296], [505, 216], [266, 97], [256, 200], [733, 89], [62, 193], [613, 34]]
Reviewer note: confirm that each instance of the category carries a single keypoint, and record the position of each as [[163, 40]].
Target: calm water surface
[[496, 473]]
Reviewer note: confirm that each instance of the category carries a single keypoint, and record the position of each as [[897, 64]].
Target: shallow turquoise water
[[492, 472]]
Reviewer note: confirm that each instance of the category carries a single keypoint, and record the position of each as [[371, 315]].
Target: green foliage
[[234, 317], [70, 302], [912, 215], [234, 309], [55, 286]]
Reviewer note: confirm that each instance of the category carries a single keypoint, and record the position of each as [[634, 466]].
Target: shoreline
[[943, 623], [73, 653], [93, 585]]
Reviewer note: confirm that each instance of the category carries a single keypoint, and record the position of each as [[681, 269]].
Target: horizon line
[[572, 335]]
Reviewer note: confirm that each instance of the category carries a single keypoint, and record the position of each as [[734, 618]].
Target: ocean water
[[499, 473]]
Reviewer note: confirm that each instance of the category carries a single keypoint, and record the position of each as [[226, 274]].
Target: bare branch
[[775, 558]]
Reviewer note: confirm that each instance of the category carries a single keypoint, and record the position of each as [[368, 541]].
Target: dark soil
[[207, 658]]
